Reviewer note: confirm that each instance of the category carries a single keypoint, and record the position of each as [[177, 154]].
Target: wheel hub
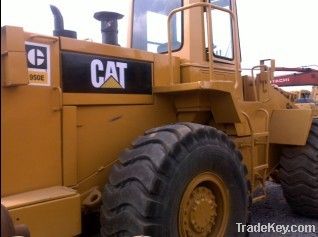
[[203, 210]]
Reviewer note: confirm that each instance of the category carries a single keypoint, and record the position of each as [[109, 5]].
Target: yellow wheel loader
[[163, 137]]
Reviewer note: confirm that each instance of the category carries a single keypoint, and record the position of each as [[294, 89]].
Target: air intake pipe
[[109, 26]]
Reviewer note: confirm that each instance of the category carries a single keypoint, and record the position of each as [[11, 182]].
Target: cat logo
[[86, 73], [108, 75], [38, 61]]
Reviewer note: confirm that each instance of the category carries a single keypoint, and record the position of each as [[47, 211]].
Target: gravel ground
[[275, 210]]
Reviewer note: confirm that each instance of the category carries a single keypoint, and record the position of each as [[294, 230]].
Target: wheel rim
[[204, 208]]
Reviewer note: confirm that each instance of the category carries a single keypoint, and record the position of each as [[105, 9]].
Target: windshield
[[150, 25]]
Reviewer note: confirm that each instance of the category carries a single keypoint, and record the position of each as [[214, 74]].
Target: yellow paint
[[51, 138], [38, 78]]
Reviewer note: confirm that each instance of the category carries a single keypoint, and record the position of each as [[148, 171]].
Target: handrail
[[209, 26], [267, 117], [263, 68], [253, 79], [271, 68], [252, 144], [267, 138], [253, 136]]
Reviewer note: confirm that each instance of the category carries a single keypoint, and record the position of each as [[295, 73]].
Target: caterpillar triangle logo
[[111, 83], [108, 75]]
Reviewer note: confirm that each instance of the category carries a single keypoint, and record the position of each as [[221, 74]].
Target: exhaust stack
[[59, 24]]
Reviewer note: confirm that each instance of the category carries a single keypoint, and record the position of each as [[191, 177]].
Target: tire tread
[[132, 198], [299, 174]]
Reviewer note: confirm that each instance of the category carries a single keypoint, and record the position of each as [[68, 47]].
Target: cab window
[[150, 25], [221, 30]]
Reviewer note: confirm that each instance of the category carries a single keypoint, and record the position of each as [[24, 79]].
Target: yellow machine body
[[58, 146]]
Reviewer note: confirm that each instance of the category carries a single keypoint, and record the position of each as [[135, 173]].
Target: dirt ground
[[276, 210]]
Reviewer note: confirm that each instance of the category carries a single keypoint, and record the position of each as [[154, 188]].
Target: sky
[[284, 30]]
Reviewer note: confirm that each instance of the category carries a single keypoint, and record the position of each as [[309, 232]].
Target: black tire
[[299, 174], [7, 227], [146, 185]]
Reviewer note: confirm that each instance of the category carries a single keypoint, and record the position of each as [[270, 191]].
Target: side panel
[[30, 120], [13, 53], [107, 103], [50, 219], [69, 145], [290, 126], [102, 137]]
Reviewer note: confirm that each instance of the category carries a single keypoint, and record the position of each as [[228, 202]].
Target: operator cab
[[188, 28], [196, 28]]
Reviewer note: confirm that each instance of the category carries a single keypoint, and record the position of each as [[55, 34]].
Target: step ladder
[[258, 171]]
